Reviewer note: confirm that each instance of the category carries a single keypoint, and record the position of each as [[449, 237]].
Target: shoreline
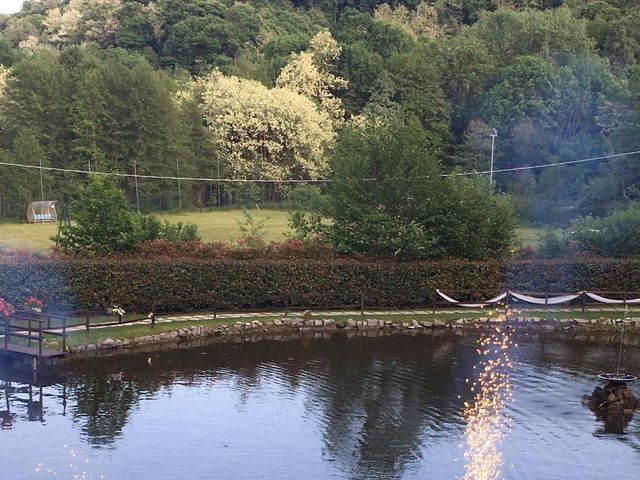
[[257, 330]]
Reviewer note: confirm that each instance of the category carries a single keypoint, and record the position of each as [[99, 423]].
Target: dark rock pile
[[614, 403]]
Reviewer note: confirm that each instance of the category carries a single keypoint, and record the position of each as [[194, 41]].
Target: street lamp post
[[135, 176], [494, 134], [179, 191], [41, 186]]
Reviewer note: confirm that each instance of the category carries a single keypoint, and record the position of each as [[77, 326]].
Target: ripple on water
[[385, 408]]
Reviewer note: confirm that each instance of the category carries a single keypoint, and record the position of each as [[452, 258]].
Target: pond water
[[315, 408]]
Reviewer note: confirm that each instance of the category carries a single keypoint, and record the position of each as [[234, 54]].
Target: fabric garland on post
[[491, 301], [545, 301], [540, 300], [600, 299]]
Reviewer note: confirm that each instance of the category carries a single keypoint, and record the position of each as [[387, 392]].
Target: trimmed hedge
[[228, 284]]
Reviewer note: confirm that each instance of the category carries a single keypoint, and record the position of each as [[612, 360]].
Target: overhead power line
[[320, 180], [543, 165]]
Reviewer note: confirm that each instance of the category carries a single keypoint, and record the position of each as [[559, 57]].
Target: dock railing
[[33, 327]]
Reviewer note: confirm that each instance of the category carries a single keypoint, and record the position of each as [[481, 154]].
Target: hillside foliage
[[267, 90]]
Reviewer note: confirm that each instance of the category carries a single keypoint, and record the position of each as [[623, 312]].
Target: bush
[[179, 232], [103, 222], [551, 245], [389, 198], [617, 235], [201, 281]]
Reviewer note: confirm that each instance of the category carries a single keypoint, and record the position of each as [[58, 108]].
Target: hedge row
[[173, 285]]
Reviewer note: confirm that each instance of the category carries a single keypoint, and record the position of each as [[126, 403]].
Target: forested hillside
[[264, 90]]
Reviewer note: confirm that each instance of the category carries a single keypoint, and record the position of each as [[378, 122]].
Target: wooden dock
[[23, 350], [24, 335]]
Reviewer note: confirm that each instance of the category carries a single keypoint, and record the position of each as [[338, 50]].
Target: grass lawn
[[82, 337], [212, 225], [221, 225], [529, 236]]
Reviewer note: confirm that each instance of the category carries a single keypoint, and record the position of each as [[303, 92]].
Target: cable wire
[[319, 180]]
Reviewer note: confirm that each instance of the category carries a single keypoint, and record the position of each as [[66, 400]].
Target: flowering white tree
[[273, 134], [101, 24], [310, 73], [4, 74], [63, 25], [421, 22]]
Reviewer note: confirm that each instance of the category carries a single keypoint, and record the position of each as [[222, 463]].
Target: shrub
[[103, 222], [172, 284], [616, 235], [389, 198], [252, 232], [551, 245], [179, 232]]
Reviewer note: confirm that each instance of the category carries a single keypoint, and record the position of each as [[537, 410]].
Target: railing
[[32, 328], [286, 303], [359, 301]]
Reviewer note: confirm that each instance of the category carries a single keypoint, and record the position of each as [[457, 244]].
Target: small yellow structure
[[42, 212]]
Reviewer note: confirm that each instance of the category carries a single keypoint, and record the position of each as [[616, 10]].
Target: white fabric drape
[[600, 299], [539, 300], [545, 301], [491, 301]]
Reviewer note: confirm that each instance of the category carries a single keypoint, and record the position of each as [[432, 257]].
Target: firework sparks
[[486, 422]]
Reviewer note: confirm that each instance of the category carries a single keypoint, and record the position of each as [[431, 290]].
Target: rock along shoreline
[[235, 332]]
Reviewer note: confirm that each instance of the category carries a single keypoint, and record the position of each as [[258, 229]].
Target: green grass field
[[219, 225], [212, 225]]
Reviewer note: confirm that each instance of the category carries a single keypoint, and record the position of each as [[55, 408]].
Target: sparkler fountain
[[486, 421]]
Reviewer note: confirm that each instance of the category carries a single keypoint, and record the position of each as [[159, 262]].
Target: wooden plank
[[31, 351], [24, 335]]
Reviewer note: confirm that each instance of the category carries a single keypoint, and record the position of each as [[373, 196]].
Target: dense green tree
[[389, 198], [102, 221], [529, 88], [95, 84], [616, 235]]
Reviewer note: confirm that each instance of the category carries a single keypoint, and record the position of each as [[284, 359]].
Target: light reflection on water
[[486, 421], [345, 407]]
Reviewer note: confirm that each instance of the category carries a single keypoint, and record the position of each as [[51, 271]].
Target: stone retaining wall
[[289, 325]]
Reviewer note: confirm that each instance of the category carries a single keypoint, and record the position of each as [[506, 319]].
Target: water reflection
[[485, 414], [345, 407], [24, 397]]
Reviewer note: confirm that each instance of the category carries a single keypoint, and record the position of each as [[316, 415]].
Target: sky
[[10, 6]]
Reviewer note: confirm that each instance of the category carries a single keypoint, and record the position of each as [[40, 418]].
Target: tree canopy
[[262, 89]]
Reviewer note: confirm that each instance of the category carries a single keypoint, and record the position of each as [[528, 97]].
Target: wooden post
[[362, 304], [40, 340], [64, 334], [6, 332], [29, 330], [86, 322], [286, 307], [582, 301]]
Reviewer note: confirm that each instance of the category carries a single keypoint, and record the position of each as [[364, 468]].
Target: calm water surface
[[310, 408]]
